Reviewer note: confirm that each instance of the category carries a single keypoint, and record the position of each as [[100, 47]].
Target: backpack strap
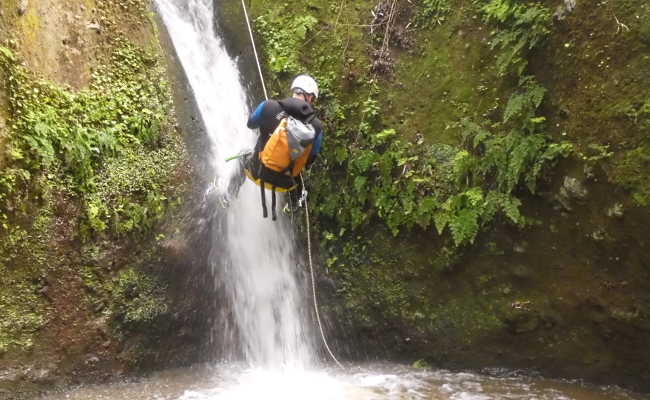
[[310, 118], [274, 216], [265, 213], [289, 169]]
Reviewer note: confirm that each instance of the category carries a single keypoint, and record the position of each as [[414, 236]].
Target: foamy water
[[359, 382]]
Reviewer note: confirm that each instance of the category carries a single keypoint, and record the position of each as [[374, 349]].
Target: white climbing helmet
[[305, 83]]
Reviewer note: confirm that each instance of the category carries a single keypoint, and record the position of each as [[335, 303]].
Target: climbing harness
[[303, 198]]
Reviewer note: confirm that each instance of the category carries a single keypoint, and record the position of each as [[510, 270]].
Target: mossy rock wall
[[481, 199], [481, 196], [96, 198]]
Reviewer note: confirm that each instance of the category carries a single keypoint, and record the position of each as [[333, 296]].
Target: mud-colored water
[[367, 382]]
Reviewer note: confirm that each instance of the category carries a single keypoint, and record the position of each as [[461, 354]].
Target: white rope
[[311, 264], [313, 281], [257, 59]]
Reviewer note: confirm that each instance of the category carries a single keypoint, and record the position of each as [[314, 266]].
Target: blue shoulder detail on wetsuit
[[315, 148], [255, 120]]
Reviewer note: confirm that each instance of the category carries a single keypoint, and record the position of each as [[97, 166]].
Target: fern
[[433, 12], [505, 203], [282, 39], [522, 26], [514, 158], [7, 54], [551, 153], [524, 103], [462, 213]]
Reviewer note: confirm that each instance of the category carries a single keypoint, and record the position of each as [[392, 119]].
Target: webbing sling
[[273, 216], [265, 213]]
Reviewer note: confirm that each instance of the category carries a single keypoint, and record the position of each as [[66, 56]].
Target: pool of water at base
[[358, 382]]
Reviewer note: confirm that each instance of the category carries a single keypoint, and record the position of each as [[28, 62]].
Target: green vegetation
[[24, 265], [500, 161], [105, 144], [455, 140], [21, 314], [88, 164], [282, 35], [629, 172], [137, 299], [22, 308], [407, 183], [521, 26], [433, 12]]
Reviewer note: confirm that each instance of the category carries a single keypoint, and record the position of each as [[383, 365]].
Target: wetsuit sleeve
[[315, 148], [255, 119]]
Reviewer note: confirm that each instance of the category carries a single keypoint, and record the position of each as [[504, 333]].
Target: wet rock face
[[571, 192], [616, 211], [564, 9], [22, 7], [14, 379], [69, 285]]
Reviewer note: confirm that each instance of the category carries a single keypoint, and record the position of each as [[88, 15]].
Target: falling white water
[[256, 255], [214, 79]]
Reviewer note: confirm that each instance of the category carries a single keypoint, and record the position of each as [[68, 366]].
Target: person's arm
[[315, 148], [255, 118]]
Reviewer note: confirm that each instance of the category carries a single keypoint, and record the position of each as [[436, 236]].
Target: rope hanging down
[[257, 59], [311, 264], [313, 282]]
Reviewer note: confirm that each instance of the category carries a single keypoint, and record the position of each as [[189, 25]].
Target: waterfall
[[254, 257]]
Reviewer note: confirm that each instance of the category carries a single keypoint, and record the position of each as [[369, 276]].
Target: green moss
[[21, 313], [25, 261], [29, 25], [469, 319], [386, 282], [22, 265], [443, 79], [121, 121], [137, 299], [631, 171], [635, 110]]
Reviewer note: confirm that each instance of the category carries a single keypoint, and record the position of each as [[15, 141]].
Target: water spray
[[302, 199]]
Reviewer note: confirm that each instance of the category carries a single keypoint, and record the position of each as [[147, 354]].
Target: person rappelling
[[269, 116], [290, 137]]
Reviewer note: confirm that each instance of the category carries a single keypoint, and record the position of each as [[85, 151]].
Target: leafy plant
[[433, 12], [461, 213], [395, 177], [406, 183], [521, 26], [510, 159], [73, 136], [523, 104], [136, 298], [282, 37]]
